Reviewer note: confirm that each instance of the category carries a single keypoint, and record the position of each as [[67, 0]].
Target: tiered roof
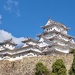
[[9, 41], [29, 47], [68, 44], [53, 51], [51, 23], [20, 51], [50, 50], [55, 31], [28, 39]]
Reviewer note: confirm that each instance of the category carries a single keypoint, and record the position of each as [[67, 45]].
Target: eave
[[29, 40], [55, 24]]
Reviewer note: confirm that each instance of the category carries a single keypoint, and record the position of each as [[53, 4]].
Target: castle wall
[[26, 66]]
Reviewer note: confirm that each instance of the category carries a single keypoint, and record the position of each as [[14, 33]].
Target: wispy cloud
[[0, 19], [12, 7], [18, 13], [4, 35]]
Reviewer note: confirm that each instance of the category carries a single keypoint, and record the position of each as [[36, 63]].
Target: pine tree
[[41, 69], [72, 69], [58, 68]]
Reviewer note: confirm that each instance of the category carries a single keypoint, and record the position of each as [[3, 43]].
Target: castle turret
[[7, 44], [55, 38], [6, 48]]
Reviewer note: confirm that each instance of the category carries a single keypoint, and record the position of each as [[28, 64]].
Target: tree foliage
[[58, 68], [72, 69], [41, 69], [72, 51]]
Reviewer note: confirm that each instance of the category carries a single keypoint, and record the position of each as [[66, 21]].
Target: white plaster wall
[[6, 52], [43, 42], [41, 39], [22, 50], [9, 46], [65, 38], [72, 40], [31, 43], [30, 55], [59, 42], [57, 28], [37, 50], [61, 50], [1, 48], [64, 50], [50, 35]]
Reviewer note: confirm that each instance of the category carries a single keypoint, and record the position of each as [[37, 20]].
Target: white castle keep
[[54, 40]]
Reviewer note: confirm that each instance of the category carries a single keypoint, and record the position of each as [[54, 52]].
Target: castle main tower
[[55, 39]]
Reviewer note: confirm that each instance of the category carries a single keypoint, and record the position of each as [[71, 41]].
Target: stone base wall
[[26, 66]]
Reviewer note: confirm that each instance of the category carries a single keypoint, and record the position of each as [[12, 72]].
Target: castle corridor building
[[52, 41]]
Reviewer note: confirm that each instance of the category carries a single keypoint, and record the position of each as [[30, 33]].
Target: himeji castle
[[53, 40]]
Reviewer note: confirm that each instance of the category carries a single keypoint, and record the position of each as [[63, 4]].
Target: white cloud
[[12, 7], [8, 5], [4, 35]]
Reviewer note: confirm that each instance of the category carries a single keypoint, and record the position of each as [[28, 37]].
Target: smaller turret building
[[7, 44]]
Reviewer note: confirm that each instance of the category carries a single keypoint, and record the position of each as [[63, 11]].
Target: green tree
[[52, 74], [72, 69], [58, 68], [41, 69], [72, 51]]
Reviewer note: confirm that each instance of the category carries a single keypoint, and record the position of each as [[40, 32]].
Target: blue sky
[[23, 18]]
